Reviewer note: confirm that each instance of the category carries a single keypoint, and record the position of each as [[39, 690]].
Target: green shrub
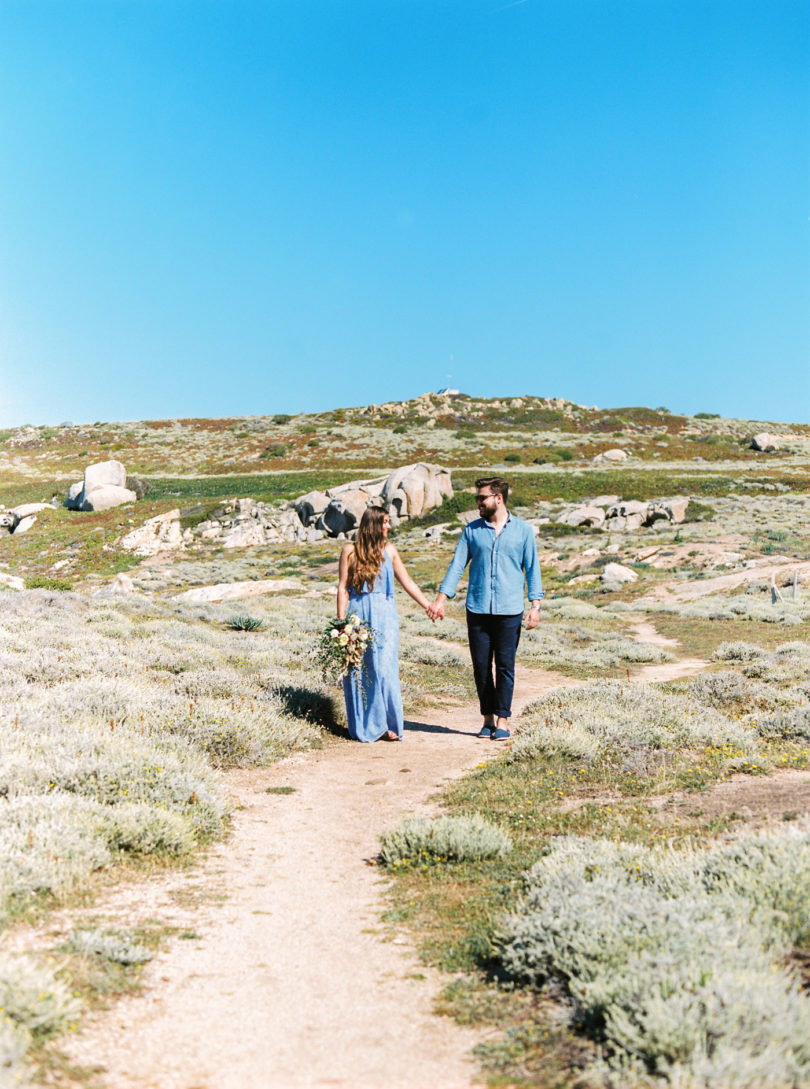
[[443, 839], [554, 455], [245, 623], [281, 418], [45, 582], [400, 429], [460, 503], [275, 450], [700, 512], [707, 415], [512, 457]]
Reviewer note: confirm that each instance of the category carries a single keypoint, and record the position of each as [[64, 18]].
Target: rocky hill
[[622, 467]]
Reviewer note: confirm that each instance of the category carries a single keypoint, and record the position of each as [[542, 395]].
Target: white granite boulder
[[766, 442], [413, 490], [243, 535], [344, 512], [310, 506], [24, 524], [104, 473], [159, 534], [27, 509], [106, 497], [103, 487], [617, 572], [611, 455], [586, 516]]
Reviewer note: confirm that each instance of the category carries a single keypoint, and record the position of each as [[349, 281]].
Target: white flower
[[334, 633]]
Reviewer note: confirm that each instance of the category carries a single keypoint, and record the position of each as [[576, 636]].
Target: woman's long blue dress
[[373, 699]]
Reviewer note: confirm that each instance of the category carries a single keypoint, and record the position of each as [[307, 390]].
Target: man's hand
[[436, 608], [532, 618]]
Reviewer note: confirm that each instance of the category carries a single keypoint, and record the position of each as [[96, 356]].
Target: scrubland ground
[[609, 891]]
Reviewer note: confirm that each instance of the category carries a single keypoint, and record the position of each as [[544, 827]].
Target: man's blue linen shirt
[[497, 565]]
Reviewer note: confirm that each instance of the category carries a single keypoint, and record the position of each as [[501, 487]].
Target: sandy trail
[[293, 981], [288, 977]]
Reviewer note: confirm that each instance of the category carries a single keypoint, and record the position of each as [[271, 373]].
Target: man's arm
[[531, 565], [461, 557]]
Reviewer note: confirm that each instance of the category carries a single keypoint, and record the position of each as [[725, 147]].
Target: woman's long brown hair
[[366, 560]]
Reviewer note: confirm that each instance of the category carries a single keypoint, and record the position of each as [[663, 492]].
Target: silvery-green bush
[[585, 720], [663, 951], [573, 646], [454, 839], [32, 996], [737, 651], [117, 947], [14, 1042], [114, 712]]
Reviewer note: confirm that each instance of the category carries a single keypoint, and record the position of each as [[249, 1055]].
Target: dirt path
[[293, 980], [646, 632]]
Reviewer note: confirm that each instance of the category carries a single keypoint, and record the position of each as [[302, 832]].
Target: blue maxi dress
[[376, 707]]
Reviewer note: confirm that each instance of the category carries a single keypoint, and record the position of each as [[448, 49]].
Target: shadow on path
[[433, 728]]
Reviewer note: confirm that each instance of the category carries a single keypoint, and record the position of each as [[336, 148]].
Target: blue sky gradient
[[228, 207]]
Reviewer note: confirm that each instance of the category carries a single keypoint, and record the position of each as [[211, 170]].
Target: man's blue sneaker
[[485, 732], [501, 735]]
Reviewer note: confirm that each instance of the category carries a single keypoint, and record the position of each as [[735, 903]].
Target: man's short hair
[[496, 484]]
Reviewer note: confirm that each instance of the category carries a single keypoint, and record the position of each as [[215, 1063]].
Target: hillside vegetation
[[124, 705]]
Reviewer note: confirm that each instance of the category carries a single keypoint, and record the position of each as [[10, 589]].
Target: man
[[500, 550]]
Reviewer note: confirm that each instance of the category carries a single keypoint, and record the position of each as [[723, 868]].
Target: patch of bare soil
[[689, 591], [292, 980], [784, 795]]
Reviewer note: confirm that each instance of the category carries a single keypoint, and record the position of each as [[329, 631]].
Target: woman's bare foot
[[391, 736]]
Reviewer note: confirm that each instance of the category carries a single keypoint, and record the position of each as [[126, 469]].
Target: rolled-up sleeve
[[531, 565], [461, 557]]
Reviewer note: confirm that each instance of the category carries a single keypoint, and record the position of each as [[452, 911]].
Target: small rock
[[122, 584], [28, 508], [617, 572], [612, 455]]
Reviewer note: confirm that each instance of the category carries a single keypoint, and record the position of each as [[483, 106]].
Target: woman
[[366, 587]]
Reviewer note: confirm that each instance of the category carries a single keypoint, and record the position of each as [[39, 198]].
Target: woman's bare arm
[[405, 580], [343, 580]]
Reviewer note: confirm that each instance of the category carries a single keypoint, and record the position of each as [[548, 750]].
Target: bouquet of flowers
[[342, 647]]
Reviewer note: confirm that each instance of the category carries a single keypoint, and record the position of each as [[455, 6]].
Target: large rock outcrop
[[408, 492], [626, 516], [20, 519], [104, 486], [245, 523], [160, 534]]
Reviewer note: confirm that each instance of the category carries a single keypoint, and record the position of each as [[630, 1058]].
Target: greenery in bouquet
[[342, 648]]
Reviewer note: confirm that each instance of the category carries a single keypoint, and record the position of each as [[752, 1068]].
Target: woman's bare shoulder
[[347, 550]]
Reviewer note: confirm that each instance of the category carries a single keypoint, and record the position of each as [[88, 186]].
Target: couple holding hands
[[501, 553]]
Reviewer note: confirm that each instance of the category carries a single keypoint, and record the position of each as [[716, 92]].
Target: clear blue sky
[[226, 207]]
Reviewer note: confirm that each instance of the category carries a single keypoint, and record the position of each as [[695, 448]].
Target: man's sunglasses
[[483, 498]]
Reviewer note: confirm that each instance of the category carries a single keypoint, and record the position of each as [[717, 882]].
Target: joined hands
[[435, 609]]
